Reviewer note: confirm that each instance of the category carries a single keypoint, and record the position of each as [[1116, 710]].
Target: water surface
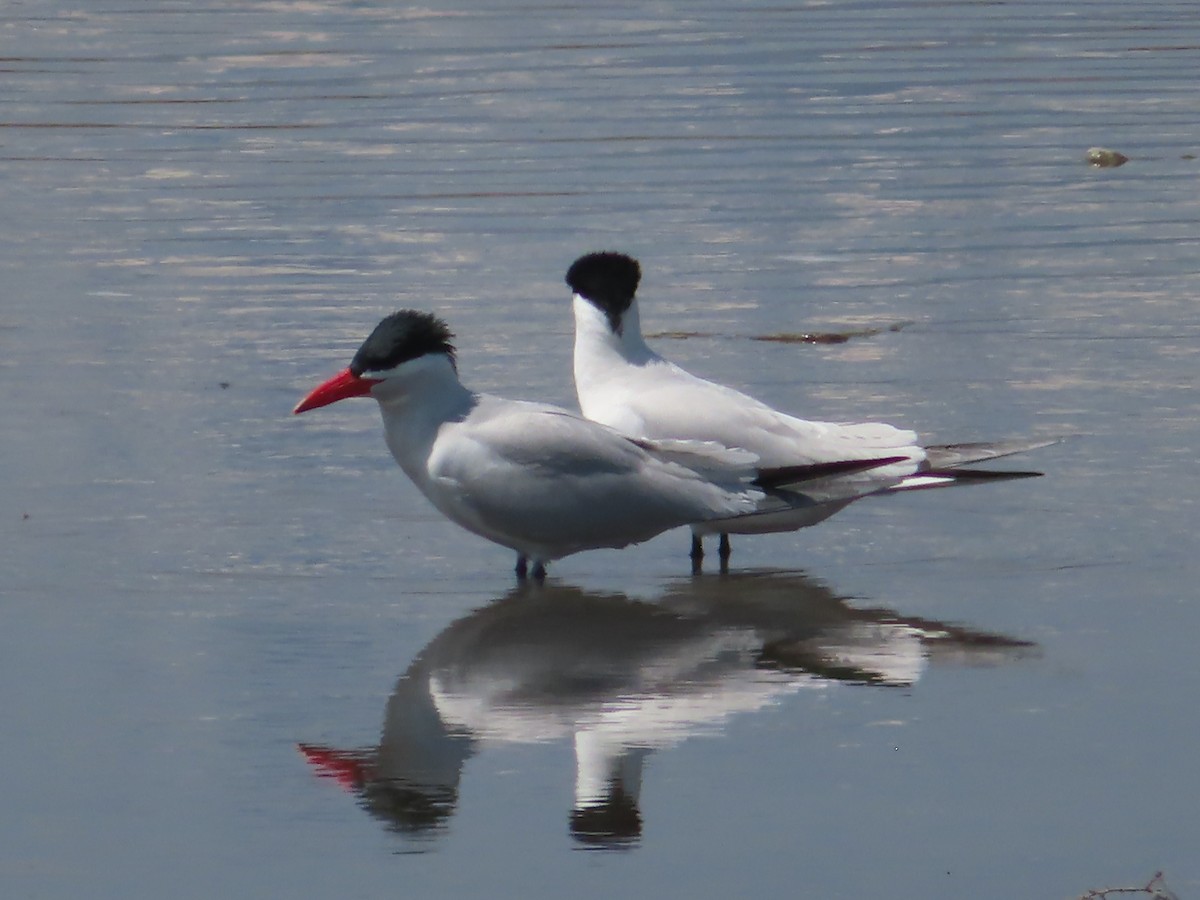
[[207, 206]]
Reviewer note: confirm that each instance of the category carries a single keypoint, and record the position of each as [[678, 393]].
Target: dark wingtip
[[783, 476], [966, 476]]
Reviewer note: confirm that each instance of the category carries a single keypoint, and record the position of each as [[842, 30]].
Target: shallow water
[[207, 206]]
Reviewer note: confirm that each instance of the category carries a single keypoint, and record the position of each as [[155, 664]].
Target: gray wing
[[547, 476]]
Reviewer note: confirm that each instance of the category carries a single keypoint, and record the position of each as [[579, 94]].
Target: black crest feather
[[404, 335], [608, 280]]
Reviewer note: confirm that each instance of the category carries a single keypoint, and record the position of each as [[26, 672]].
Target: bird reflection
[[622, 678]]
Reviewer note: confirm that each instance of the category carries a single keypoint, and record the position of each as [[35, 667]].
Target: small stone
[[1103, 158]]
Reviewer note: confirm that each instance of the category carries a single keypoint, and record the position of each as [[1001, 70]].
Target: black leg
[[697, 554], [522, 566], [723, 551], [539, 571]]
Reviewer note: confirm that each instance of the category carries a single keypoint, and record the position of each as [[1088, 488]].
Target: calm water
[[239, 654]]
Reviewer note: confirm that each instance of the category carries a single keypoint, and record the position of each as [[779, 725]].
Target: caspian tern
[[622, 383], [538, 479]]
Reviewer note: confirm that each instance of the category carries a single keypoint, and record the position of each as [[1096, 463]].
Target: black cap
[[404, 335], [608, 281]]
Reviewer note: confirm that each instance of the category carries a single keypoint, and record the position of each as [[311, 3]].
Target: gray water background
[[207, 205]]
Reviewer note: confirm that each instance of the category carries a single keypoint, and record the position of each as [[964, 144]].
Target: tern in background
[[538, 479], [624, 384]]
